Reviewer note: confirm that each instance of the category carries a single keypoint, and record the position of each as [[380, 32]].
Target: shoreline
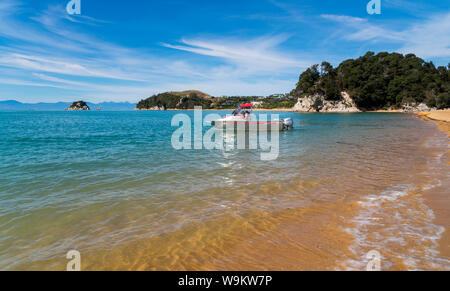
[[320, 216], [438, 201], [293, 111], [441, 118], [226, 110]]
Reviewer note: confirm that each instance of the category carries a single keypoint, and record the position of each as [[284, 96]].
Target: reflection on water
[[110, 185]]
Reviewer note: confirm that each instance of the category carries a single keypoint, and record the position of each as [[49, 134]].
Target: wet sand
[[343, 185], [439, 200], [441, 118], [319, 236]]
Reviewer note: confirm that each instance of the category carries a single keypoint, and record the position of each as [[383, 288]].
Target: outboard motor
[[288, 123]]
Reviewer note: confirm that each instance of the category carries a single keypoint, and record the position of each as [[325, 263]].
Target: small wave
[[398, 225]]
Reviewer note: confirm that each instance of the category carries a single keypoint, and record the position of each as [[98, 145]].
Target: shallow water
[[110, 185]]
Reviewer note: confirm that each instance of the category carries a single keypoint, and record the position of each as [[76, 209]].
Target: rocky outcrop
[[416, 107], [78, 106], [317, 103], [154, 108]]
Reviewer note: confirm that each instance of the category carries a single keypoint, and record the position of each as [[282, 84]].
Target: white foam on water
[[431, 186], [399, 225]]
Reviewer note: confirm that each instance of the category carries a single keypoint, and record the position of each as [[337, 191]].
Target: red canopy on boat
[[250, 105]]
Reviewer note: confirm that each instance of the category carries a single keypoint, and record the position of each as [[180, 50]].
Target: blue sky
[[127, 50]]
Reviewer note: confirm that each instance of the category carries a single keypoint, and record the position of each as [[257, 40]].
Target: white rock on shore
[[416, 107], [317, 103], [155, 108]]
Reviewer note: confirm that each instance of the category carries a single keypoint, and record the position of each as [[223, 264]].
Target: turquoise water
[[105, 183]]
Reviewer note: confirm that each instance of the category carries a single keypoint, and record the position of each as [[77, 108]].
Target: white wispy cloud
[[8, 7], [51, 50], [259, 54], [430, 38], [36, 63], [344, 18], [10, 81], [79, 55], [427, 38]]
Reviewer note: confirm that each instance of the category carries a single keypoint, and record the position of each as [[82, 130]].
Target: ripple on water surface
[[110, 185]]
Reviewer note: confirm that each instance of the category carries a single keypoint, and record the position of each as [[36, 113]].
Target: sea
[[344, 189]]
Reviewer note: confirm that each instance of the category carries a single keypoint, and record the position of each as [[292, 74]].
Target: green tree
[[381, 80]]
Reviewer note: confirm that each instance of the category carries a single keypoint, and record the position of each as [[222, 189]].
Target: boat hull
[[248, 125]]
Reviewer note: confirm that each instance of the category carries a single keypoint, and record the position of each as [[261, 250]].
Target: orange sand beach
[[441, 118], [440, 201]]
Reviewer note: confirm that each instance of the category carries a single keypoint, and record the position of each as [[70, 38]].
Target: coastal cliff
[[416, 107], [383, 81], [78, 106], [317, 103], [154, 108]]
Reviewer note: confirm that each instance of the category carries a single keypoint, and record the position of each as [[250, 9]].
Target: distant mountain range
[[12, 105]]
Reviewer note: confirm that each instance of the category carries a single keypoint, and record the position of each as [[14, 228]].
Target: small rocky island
[[78, 106]]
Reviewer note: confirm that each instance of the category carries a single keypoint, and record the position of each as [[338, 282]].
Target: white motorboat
[[241, 118]]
